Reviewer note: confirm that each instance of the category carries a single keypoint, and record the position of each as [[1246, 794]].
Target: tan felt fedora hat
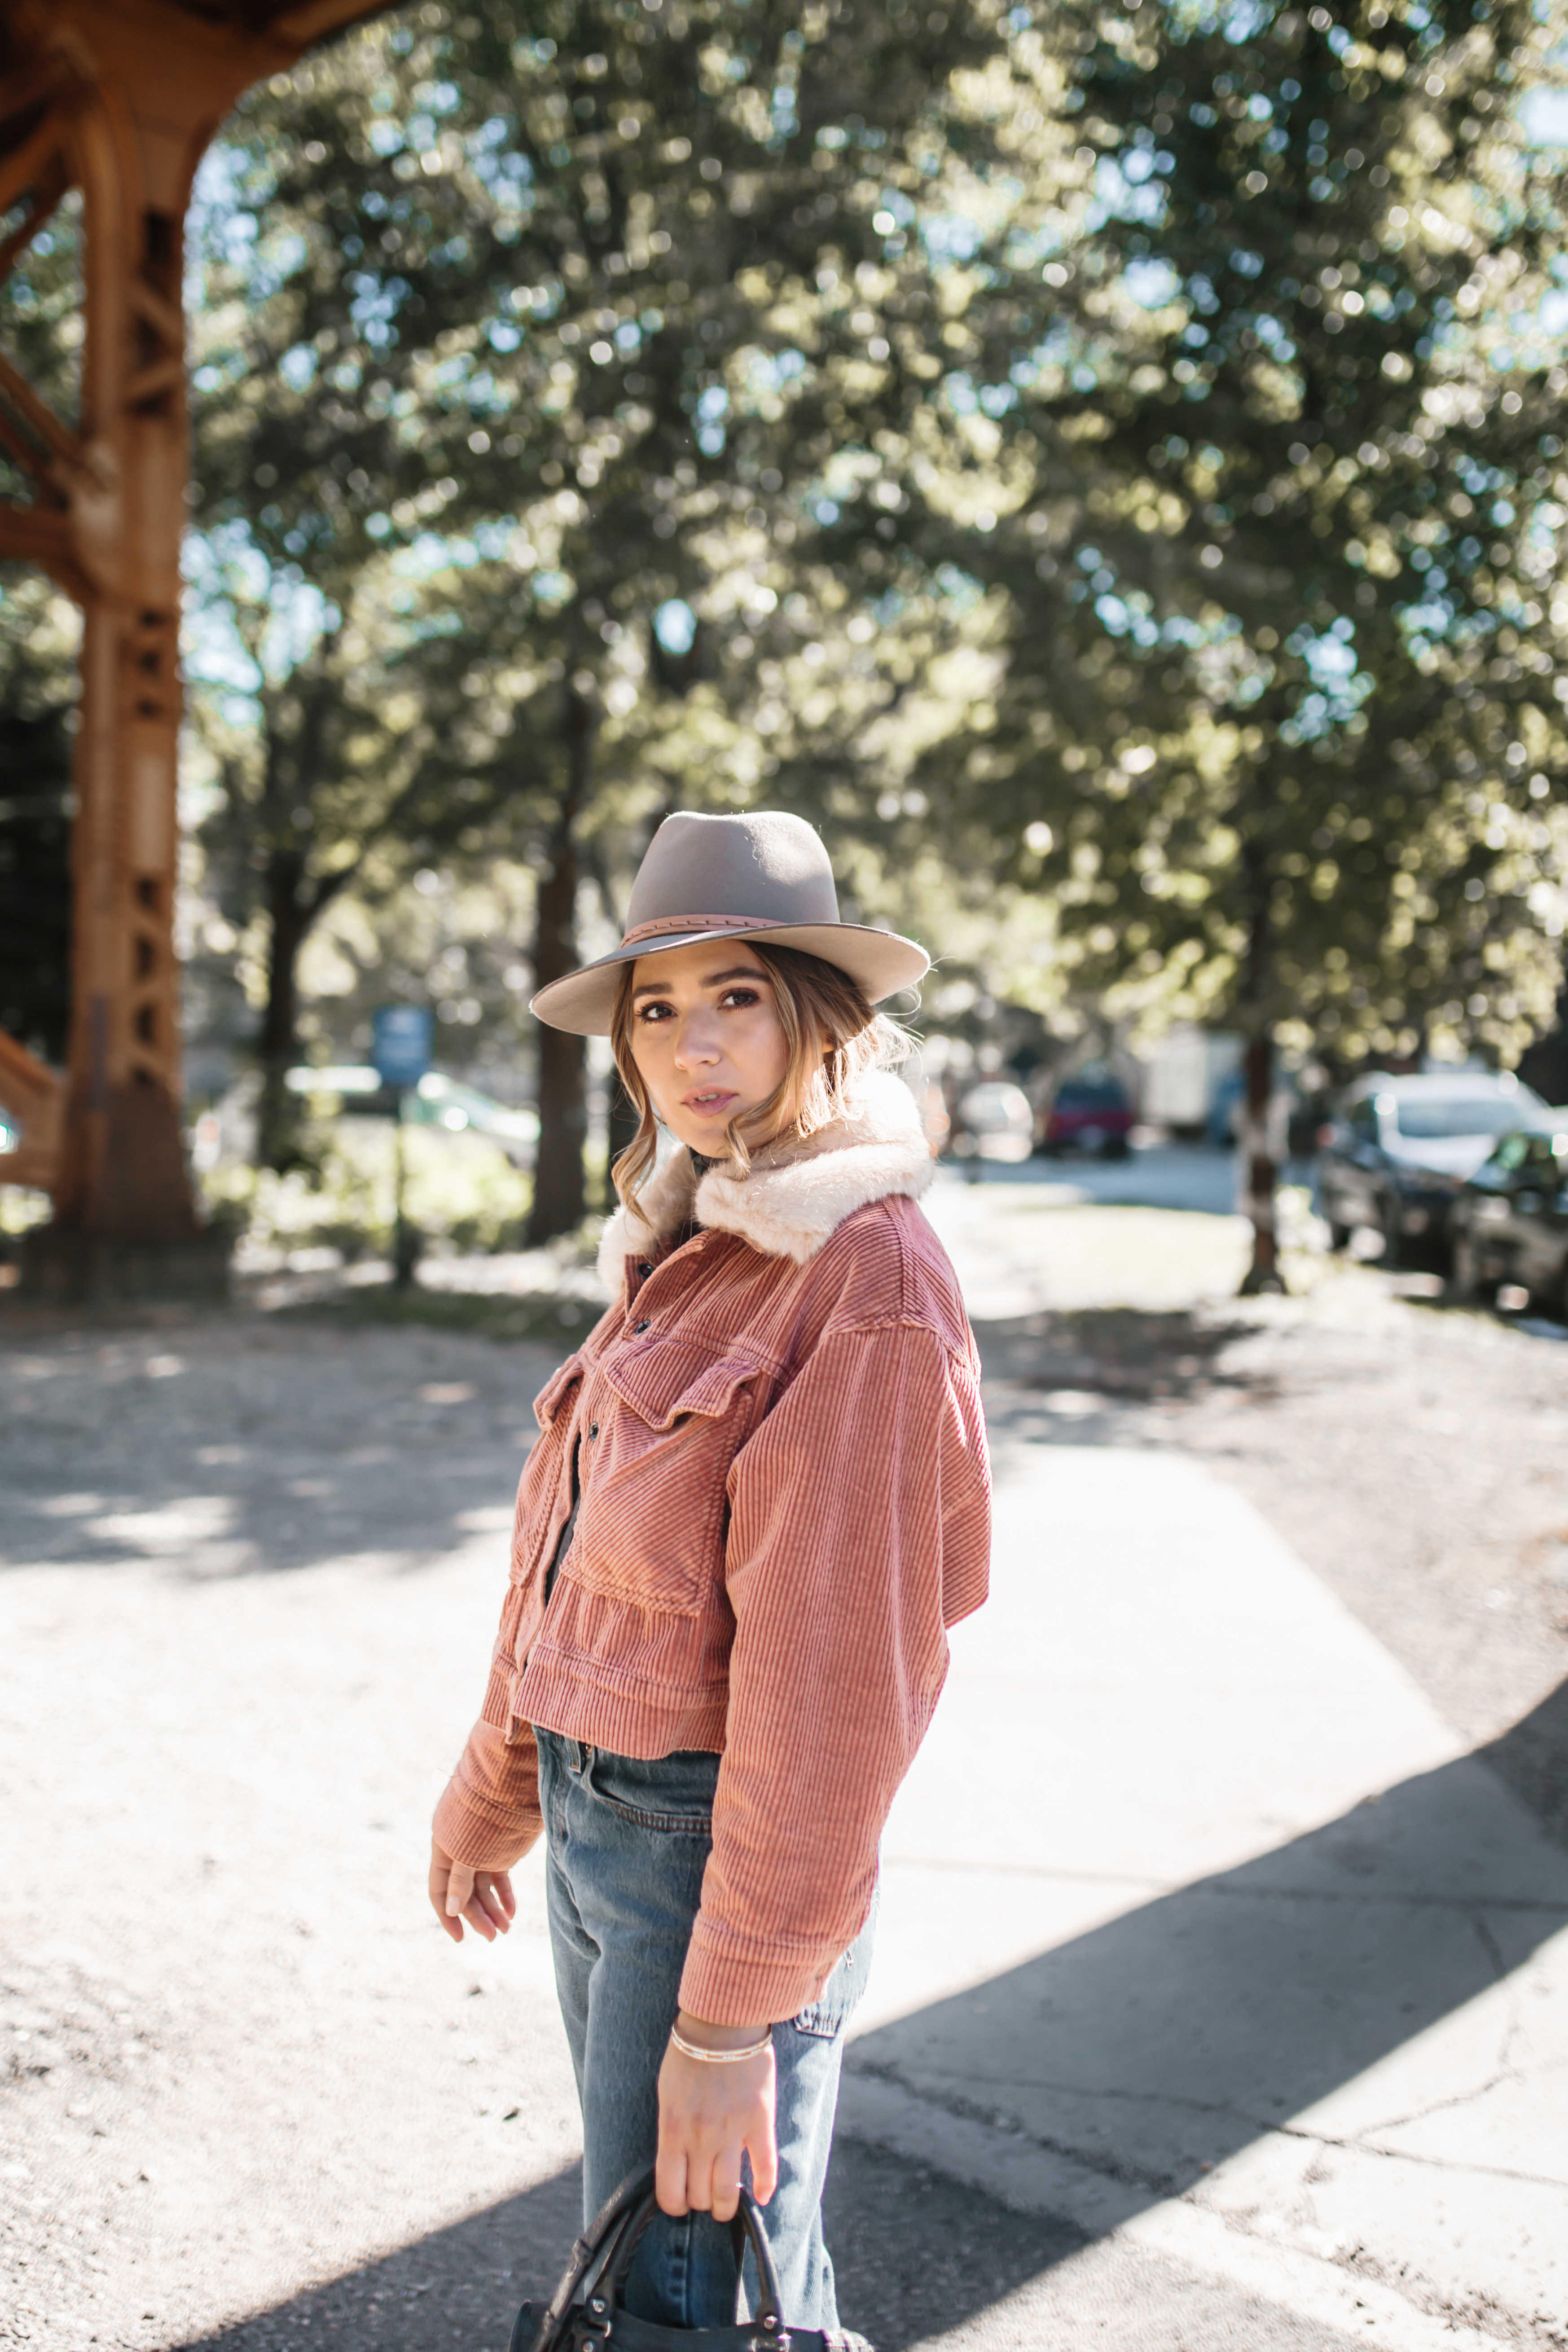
[[764, 877]]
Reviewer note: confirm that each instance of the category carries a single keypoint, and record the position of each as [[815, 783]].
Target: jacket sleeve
[[859, 1531], [488, 1814]]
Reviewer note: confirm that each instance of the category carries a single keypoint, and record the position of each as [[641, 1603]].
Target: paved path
[[1156, 1176], [1175, 2045], [1202, 1932]]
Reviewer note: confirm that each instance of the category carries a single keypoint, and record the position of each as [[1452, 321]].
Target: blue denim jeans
[[626, 1841]]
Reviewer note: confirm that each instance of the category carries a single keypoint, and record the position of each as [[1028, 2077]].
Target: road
[[1176, 2040]]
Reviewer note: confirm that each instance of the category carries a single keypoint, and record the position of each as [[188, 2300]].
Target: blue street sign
[[400, 1045]]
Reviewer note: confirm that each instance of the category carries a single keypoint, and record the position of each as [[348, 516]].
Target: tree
[[1231, 380], [588, 337], [332, 731]]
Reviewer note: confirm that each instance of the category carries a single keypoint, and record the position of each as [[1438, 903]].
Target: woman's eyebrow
[[709, 979]]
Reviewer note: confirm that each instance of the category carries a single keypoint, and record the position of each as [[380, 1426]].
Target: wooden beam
[[39, 77], [314, 18], [134, 89], [25, 167], [35, 534], [161, 376], [34, 1095], [27, 404], [45, 204], [15, 444], [161, 316]]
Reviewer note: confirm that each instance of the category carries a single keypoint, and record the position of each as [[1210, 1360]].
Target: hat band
[[662, 923]]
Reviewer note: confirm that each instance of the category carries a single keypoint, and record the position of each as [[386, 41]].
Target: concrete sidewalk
[[1202, 1932], [1255, 2065]]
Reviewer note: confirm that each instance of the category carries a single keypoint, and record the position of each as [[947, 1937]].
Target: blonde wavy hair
[[834, 1036]]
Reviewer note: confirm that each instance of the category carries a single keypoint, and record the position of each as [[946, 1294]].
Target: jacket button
[[593, 1428], [643, 1267], [644, 1325]]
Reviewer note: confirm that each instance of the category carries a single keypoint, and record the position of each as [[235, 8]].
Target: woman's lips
[[706, 1104]]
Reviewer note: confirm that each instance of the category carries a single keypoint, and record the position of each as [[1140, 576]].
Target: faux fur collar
[[797, 1192]]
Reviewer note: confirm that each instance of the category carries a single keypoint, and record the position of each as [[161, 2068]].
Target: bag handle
[[747, 2224], [590, 2253]]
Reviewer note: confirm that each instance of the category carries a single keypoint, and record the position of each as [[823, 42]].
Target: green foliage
[[1259, 375], [545, 1318], [463, 1195], [527, 333], [41, 326], [1106, 472]]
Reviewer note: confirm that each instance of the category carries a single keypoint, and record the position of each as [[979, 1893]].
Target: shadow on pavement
[[455, 2291], [1153, 2048], [1145, 2051], [216, 1446], [1532, 1757], [915, 2251], [1133, 1354]]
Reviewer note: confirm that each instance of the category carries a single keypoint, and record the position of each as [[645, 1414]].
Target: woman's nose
[[695, 1043]]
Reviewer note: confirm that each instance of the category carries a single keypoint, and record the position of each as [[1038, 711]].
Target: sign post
[[400, 1048]]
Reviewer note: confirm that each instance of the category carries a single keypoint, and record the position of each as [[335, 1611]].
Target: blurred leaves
[[1100, 465], [520, 332], [1278, 346]]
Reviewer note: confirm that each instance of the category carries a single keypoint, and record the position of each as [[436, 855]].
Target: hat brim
[[880, 962]]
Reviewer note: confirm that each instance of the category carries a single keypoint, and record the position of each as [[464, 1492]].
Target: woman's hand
[[708, 2115], [483, 1897]]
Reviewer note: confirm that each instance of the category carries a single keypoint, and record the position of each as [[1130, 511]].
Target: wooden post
[[119, 99]]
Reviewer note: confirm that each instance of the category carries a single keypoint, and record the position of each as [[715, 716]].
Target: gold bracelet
[[718, 2057]]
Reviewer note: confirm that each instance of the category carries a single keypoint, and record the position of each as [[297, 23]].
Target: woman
[[759, 1500]]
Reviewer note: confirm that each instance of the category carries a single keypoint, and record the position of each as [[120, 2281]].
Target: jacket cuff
[[489, 1815], [724, 1986]]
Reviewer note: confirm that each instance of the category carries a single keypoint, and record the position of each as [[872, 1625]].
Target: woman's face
[[706, 1038]]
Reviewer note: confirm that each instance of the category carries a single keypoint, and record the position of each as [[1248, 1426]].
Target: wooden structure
[[118, 99]]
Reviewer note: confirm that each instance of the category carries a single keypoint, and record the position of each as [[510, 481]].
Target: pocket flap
[[666, 1381], [557, 1392]]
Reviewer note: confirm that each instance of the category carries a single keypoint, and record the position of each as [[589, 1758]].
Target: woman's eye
[[739, 996], [653, 1012]]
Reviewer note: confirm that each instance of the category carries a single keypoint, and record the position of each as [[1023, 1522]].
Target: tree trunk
[[293, 905], [559, 1200], [1260, 1172], [288, 916]]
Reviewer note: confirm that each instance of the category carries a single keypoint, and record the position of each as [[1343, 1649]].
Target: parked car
[[1399, 1149], [995, 1120], [437, 1101], [1509, 1222], [1090, 1113]]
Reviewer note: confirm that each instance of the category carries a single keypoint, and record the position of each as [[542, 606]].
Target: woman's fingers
[[669, 2180], [724, 2196], [495, 1906], [483, 1897], [440, 1880], [762, 2147], [502, 1901], [713, 2182], [711, 2116]]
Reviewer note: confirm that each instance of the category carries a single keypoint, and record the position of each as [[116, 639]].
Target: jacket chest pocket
[[555, 1397], [537, 1500], [670, 1421]]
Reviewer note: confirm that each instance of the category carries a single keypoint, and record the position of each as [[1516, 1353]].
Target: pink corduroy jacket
[[784, 1506]]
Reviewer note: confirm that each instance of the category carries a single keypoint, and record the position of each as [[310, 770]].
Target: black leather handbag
[[585, 2312]]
